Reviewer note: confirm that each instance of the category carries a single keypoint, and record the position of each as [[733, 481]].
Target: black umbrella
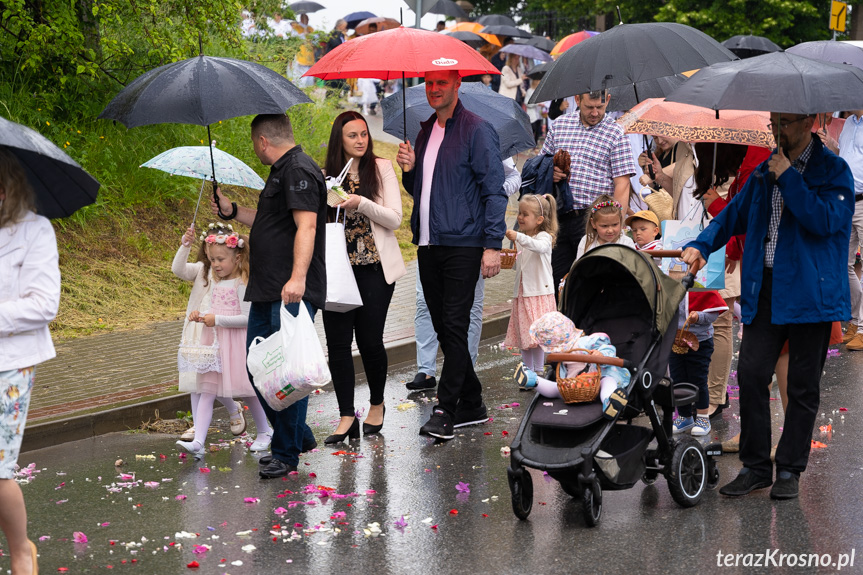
[[539, 71], [305, 7], [508, 118], [748, 46], [61, 185], [778, 82], [626, 97], [836, 52], [540, 42], [622, 58], [355, 18], [445, 7], [201, 91], [506, 30], [469, 38], [495, 20]]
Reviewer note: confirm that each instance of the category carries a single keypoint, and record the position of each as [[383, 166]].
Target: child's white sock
[[258, 414], [203, 417], [547, 388], [607, 385]]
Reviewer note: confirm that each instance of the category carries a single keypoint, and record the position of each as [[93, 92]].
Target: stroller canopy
[[623, 281]]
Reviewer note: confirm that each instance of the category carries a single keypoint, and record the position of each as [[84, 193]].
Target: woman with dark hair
[[29, 297], [373, 211]]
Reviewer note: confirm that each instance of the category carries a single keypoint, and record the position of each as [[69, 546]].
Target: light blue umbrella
[[194, 162]]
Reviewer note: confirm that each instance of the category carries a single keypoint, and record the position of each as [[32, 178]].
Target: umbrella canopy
[[304, 7], [504, 30], [355, 18], [202, 91], [626, 97], [748, 46], [194, 162], [540, 42], [495, 20], [526, 51], [569, 41], [61, 185], [476, 29], [626, 55], [539, 71], [382, 23], [778, 82], [445, 7], [508, 118], [469, 38], [402, 52], [657, 117], [836, 52]]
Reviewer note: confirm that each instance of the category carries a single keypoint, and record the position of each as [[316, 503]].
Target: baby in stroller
[[556, 333]]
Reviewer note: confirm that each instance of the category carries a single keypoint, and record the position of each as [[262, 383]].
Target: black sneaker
[[422, 382], [745, 482], [785, 486], [439, 425], [465, 416]]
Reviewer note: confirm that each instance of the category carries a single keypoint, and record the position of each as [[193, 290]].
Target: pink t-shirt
[[429, 161]]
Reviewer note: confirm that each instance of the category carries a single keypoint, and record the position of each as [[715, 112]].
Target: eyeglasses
[[783, 125]]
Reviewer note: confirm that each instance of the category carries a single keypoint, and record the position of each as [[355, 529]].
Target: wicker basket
[[582, 388], [684, 340], [507, 258]]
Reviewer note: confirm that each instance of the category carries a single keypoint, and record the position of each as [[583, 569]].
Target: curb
[[128, 417]]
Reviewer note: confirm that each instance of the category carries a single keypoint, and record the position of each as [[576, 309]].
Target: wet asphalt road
[[272, 526]]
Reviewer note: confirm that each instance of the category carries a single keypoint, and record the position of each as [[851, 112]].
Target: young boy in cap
[[645, 230]]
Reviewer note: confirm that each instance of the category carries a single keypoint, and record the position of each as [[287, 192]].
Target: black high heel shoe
[[352, 433], [372, 429]]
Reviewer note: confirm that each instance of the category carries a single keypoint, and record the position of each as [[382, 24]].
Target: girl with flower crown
[[604, 226], [220, 277]]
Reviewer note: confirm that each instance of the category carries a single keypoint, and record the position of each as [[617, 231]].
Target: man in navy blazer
[[796, 211]]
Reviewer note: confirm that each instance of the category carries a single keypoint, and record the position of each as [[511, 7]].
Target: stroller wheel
[[591, 500], [571, 489], [521, 487], [649, 477], [687, 475], [712, 474]]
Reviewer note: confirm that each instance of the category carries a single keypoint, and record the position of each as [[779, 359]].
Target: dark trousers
[[693, 367], [289, 425], [566, 247], [367, 321], [449, 275], [759, 350]]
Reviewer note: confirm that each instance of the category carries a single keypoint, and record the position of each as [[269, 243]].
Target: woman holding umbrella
[[29, 297], [373, 211]]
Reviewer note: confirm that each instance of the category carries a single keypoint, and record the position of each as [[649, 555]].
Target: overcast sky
[[335, 9]]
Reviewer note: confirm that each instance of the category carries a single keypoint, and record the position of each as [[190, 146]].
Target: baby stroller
[[616, 290]]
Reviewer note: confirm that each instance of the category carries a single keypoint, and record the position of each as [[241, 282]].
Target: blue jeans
[[426, 337], [693, 367], [289, 425]]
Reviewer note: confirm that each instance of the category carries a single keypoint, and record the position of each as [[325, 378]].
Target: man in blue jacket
[[456, 179], [796, 211]]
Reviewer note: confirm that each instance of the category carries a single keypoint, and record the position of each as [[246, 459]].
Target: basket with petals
[[684, 340], [582, 388], [507, 258]]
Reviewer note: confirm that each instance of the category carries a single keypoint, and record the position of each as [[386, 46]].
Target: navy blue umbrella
[[510, 121], [355, 18]]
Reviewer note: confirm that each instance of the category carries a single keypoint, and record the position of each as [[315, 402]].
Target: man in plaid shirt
[[602, 163]]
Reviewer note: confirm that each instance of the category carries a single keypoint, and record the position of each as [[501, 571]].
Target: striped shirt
[[598, 153], [776, 213]]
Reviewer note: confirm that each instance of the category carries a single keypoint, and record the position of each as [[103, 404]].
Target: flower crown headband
[[214, 234], [605, 204]]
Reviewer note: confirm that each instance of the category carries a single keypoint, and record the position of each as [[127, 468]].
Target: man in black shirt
[[286, 260]]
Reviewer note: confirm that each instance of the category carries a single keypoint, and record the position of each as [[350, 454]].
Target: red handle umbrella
[[399, 53]]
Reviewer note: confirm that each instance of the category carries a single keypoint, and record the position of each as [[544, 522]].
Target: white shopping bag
[[290, 364], [342, 291]]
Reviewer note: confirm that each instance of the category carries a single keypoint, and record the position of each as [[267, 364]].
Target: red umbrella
[[570, 41]]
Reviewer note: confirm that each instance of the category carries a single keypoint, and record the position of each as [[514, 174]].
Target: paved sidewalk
[[102, 372]]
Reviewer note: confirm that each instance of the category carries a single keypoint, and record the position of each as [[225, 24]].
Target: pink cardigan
[[385, 215]]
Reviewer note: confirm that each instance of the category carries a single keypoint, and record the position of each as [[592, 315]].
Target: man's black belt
[[858, 197]]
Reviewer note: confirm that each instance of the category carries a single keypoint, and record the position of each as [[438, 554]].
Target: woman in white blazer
[[510, 77], [373, 211], [29, 297]]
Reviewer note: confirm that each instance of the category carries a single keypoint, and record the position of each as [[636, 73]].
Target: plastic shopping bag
[[290, 364]]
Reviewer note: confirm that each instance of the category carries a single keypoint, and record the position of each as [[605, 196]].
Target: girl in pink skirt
[[225, 321], [534, 286]]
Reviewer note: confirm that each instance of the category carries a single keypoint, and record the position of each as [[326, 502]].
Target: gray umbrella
[[748, 46], [527, 51], [836, 52], [506, 30], [305, 7], [61, 185], [622, 58], [778, 82], [540, 42], [539, 71], [444, 7], [495, 20], [469, 38], [509, 120]]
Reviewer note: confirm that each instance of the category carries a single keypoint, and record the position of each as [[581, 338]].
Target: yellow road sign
[[838, 14]]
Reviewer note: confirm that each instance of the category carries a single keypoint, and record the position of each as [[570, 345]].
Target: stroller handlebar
[[587, 358], [689, 279]]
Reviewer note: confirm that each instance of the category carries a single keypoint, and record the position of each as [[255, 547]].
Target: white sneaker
[[702, 426], [262, 442], [188, 435]]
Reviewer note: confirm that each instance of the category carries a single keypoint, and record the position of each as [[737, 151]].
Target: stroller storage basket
[[625, 446]]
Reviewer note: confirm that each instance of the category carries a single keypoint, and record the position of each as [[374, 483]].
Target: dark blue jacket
[[537, 177], [468, 202], [810, 267]]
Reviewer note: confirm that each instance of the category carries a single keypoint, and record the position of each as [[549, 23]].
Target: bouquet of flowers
[[335, 193]]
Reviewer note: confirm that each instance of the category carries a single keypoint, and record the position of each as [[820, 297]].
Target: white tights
[[202, 414], [533, 359]]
